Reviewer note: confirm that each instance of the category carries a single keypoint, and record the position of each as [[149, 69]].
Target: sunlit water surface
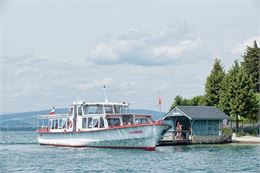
[[19, 152]]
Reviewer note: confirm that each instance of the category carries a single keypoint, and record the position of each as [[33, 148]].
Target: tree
[[226, 90], [213, 84], [257, 114], [194, 101], [197, 100], [251, 64], [239, 94], [177, 101]]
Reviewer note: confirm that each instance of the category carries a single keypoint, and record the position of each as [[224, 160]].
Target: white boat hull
[[142, 136]]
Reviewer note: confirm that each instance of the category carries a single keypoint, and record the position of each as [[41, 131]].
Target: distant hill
[[3, 113], [27, 120], [155, 114]]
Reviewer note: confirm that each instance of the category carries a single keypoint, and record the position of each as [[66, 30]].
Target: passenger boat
[[104, 124]]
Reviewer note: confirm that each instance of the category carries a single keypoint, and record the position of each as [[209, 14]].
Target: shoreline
[[246, 139]]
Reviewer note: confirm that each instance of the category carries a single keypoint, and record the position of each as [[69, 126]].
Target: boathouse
[[195, 124]]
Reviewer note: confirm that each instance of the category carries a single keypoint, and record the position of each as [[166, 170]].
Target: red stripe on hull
[[111, 128], [115, 147]]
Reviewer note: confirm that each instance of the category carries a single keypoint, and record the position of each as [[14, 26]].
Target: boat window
[[99, 109], [101, 124], [93, 109], [126, 109], [89, 122], [84, 123], [60, 123], [45, 123], [71, 111], [127, 119], [51, 124], [54, 124], [95, 122], [113, 122], [108, 109], [141, 121], [79, 110], [68, 121], [85, 109], [118, 109]]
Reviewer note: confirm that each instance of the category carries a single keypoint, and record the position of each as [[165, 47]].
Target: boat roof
[[99, 103], [60, 116], [123, 114], [197, 113]]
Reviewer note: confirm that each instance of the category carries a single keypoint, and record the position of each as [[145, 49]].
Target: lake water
[[19, 152]]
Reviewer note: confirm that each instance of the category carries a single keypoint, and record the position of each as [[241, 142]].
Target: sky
[[55, 52]]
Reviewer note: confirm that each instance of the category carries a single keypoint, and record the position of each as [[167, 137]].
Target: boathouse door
[[182, 127]]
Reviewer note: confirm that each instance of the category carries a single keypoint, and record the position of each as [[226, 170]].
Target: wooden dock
[[176, 138], [176, 142]]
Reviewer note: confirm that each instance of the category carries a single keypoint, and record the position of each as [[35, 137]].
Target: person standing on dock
[[179, 129]]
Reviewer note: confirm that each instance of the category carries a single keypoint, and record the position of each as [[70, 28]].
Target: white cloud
[[153, 48]]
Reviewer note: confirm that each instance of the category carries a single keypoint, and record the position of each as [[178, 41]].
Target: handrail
[[53, 116]]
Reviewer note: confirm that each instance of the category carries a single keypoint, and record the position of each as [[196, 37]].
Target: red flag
[[52, 111], [159, 100]]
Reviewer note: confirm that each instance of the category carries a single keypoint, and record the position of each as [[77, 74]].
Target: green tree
[[197, 101], [251, 64], [213, 84], [177, 101], [226, 90], [194, 101], [242, 97], [257, 112], [180, 101], [185, 102]]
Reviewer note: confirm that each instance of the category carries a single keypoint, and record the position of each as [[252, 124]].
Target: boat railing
[[55, 116], [44, 122]]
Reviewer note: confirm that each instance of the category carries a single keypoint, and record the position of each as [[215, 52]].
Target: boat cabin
[[91, 116]]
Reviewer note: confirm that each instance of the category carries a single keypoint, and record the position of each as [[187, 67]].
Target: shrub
[[227, 131]]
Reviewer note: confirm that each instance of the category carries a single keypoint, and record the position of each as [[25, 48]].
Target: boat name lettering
[[135, 132]]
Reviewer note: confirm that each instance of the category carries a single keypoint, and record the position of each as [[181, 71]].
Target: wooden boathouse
[[194, 124]]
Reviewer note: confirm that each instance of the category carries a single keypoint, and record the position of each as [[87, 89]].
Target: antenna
[[105, 93]]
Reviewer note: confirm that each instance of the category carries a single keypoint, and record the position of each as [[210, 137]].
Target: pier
[[176, 138]]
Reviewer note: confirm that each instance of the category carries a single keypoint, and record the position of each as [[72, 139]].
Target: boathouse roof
[[197, 113]]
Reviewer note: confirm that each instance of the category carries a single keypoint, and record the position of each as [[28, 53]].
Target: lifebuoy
[[70, 124]]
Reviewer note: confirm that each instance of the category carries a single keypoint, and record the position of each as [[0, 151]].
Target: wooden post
[[207, 126], [173, 136], [237, 123], [192, 122]]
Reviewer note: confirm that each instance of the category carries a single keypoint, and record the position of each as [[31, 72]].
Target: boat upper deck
[[88, 116]]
